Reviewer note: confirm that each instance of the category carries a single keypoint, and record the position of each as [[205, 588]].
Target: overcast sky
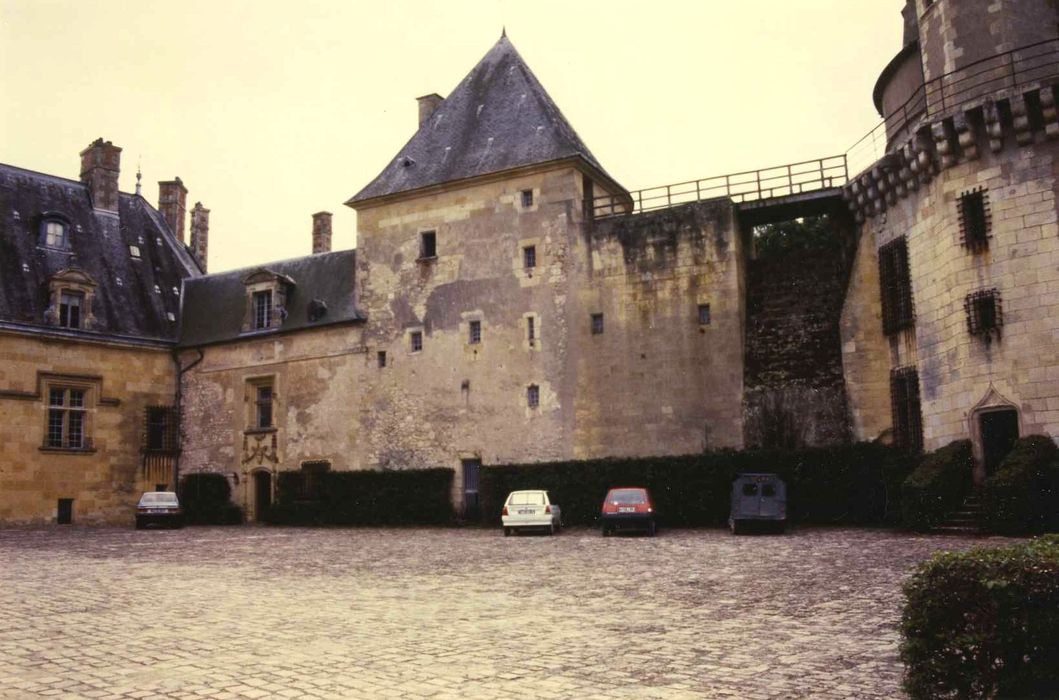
[[270, 111]]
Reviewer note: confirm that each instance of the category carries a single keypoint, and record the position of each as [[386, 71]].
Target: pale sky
[[271, 111]]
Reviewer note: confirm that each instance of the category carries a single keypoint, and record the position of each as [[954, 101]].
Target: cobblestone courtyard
[[390, 613]]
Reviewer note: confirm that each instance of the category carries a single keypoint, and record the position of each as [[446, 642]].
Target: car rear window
[[627, 496], [749, 489], [526, 499], [156, 498]]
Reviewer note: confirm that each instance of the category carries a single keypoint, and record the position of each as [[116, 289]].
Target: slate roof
[[215, 305], [498, 118], [99, 246]]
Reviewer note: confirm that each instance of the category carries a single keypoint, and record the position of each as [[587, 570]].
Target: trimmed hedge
[[849, 484], [412, 497], [984, 623], [1022, 497], [938, 486], [207, 500]]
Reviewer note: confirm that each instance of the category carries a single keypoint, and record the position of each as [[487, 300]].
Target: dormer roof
[[498, 118]]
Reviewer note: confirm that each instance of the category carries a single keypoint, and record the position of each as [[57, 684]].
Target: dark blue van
[[758, 500]]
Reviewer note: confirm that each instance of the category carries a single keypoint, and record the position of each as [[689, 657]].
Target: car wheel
[[507, 532], [606, 531], [139, 525]]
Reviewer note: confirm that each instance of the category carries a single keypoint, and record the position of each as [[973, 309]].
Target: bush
[[1022, 497], [207, 500], [984, 623], [937, 486], [848, 484], [412, 497]]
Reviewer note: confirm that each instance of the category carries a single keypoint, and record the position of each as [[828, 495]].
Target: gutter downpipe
[[179, 408]]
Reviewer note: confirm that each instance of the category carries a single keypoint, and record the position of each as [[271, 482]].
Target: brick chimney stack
[[172, 203], [100, 166], [427, 105], [200, 233], [321, 232]]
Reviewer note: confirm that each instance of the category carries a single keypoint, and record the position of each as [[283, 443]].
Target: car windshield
[[627, 496], [526, 498], [155, 499]]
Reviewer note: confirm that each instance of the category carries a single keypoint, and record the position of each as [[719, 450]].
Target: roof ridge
[[266, 264]]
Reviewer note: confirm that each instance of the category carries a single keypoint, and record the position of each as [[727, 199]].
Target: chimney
[[321, 232], [172, 203], [100, 166], [200, 233], [427, 105]]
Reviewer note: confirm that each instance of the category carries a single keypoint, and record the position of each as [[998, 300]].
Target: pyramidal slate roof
[[498, 118]]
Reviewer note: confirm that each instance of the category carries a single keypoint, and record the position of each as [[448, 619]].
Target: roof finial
[[139, 176], [503, 31]]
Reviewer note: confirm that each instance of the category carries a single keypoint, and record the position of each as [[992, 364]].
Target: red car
[[628, 508]]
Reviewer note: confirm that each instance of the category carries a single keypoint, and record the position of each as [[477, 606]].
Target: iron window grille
[[905, 407], [475, 333], [161, 426], [416, 340], [66, 418], [895, 280], [597, 324], [527, 198], [531, 330], [704, 314], [976, 221], [529, 257], [533, 396], [984, 313]]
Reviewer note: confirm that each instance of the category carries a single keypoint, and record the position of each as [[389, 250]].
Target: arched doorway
[[994, 428], [262, 494]]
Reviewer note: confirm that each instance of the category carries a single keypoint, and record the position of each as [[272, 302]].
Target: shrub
[[412, 497], [984, 623], [848, 484], [207, 500], [937, 486], [1022, 497]]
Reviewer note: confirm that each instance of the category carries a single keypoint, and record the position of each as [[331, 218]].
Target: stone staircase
[[966, 520]]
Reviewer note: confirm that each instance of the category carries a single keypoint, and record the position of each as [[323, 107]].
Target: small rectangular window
[[475, 335], [531, 330], [704, 314], [907, 416], [529, 257], [415, 339], [984, 313], [65, 511], [381, 357], [527, 198], [533, 396], [895, 282], [597, 324], [428, 244], [975, 220], [134, 251], [54, 234], [264, 406], [70, 304], [262, 309]]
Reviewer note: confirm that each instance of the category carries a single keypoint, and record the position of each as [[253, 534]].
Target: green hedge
[[984, 623], [412, 497], [850, 484], [207, 500], [938, 486], [1022, 497]]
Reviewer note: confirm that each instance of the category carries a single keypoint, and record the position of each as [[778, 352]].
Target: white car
[[530, 510]]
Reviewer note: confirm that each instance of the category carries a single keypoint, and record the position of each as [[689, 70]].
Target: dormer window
[[262, 309], [54, 234], [70, 305], [71, 293]]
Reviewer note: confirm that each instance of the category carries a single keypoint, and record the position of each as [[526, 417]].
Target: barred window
[[529, 257], [415, 340], [533, 396], [597, 324], [475, 334], [160, 429], [895, 281], [531, 330], [975, 220], [907, 416], [984, 313], [66, 418], [704, 314], [527, 198]]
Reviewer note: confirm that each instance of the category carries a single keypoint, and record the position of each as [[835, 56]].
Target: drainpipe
[[179, 408]]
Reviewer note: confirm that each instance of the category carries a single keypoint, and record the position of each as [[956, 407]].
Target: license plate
[[155, 510], [527, 512], [626, 510]]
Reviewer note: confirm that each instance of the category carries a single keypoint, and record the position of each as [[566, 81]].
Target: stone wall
[[104, 481]]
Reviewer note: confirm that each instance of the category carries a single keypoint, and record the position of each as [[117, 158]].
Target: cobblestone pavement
[[420, 613]]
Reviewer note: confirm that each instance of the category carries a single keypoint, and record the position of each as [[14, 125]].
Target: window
[[529, 257], [597, 324], [475, 334], [533, 396], [134, 251], [975, 220], [704, 314], [984, 314], [428, 244], [527, 199], [70, 305], [262, 309], [381, 358], [531, 330], [263, 406], [415, 339], [66, 418], [907, 417], [53, 234], [160, 434], [896, 287]]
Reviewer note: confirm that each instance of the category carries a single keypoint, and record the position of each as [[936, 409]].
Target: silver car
[[530, 510]]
